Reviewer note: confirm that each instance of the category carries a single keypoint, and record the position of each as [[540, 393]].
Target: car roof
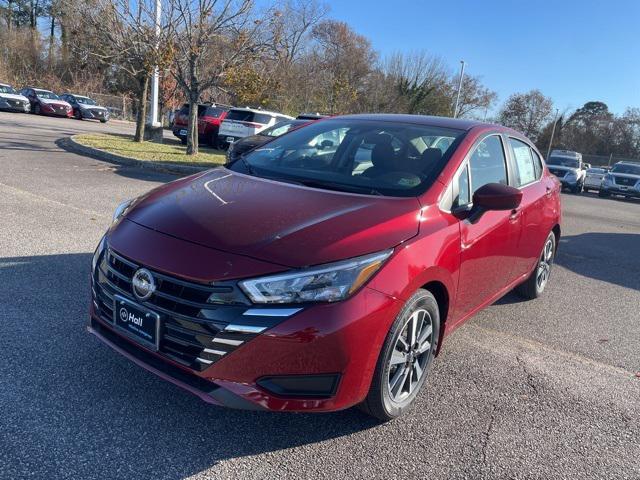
[[433, 121], [76, 95], [4, 85], [40, 89]]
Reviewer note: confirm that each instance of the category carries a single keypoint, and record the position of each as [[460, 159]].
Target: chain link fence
[[120, 107]]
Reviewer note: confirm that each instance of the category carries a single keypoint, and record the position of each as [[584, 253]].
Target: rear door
[[488, 246], [527, 168]]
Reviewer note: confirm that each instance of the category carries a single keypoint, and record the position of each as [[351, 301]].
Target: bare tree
[[211, 37], [527, 112], [125, 39], [473, 97]]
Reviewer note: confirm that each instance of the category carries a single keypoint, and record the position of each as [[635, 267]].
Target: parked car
[[593, 178], [45, 102], [12, 101], [86, 108], [623, 179], [209, 118], [248, 143], [286, 282], [568, 167], [244, 122]]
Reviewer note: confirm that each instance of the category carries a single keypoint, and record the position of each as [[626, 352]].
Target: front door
[[489, 245]]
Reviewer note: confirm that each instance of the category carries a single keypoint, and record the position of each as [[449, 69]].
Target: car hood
[[247, 143], [50, 101], [91, 107], [559, 168], [12, 96], [291, 225]]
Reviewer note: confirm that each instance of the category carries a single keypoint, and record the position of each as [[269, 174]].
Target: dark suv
[[209, 118]]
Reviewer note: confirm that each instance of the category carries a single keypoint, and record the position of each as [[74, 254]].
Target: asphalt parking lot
[[542, 389]]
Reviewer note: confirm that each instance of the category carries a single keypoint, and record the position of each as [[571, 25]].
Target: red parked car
[[209, 119], [45, 102], [325, 269]]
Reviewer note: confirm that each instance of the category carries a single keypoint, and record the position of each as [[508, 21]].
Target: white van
[[242, 122]]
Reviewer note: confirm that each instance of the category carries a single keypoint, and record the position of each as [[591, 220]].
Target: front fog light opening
[[305, 386]]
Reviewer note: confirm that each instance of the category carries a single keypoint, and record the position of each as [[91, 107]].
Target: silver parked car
[[593, 178]]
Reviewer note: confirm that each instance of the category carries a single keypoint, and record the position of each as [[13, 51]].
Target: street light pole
[[155, 87], [455, 110], [553, 131]]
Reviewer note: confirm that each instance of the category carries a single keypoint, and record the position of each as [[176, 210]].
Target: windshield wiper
[[341, 187]]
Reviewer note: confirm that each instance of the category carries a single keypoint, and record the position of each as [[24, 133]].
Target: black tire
[[102, 120], [379, 402], [77, 115], [532, 288], [183, 141], [36, 109], [603, 194]]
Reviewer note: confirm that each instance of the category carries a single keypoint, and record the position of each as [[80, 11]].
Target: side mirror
[[496, 196], [493, 196]]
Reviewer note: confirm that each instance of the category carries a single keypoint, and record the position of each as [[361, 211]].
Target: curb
[[72, 144]]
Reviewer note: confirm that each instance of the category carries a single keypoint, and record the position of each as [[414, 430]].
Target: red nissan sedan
[[324, 269]]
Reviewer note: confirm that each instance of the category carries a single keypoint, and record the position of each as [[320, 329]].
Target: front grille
[[192, 329], [629, 182]]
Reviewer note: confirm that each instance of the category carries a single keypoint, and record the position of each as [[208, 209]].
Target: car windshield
[[360, 156], [46, 94], [86, 101], [282, 128], [7, 89], [563, 162], [626, 168]]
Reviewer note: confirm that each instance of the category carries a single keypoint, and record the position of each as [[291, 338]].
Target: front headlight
[[327, 283], [121, 210], [97, 253]]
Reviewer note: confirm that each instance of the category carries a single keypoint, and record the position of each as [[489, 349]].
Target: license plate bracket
[[139, 323]]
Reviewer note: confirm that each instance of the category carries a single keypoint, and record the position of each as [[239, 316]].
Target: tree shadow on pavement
[[608, 257], [73, 408]]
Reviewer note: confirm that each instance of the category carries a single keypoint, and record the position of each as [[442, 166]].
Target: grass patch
[[171, 151]]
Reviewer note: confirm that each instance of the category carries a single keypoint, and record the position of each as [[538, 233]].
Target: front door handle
[[548, 191], [515, 213]]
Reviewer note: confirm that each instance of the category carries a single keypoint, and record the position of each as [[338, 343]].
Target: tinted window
[[525, 168], [214, 112], [6, 89], [360, 156], [247, 116], [487, 163], [563, 162], [626, 168]]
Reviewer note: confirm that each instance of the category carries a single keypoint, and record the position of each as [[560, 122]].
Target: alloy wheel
[[544, 265], [410, 355]]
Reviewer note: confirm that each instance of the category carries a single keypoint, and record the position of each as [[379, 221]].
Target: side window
[[464, 196], [537, 164], [525, 168], [487, 163]]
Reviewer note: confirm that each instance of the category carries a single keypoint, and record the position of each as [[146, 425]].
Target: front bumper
[[12, 106], [621, 190], [94, 115], [283, 367]]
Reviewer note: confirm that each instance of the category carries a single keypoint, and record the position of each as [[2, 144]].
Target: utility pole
[[455, 110], [553, 131], [155, 88]]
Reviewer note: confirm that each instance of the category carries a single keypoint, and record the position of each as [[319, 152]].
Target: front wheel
[[36, 110], [405, 358], [537, 281], [603, 194]]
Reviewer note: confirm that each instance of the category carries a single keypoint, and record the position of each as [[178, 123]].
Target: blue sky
[[573, 51]]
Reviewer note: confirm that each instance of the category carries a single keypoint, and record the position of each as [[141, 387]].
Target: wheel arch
[[441, 294]]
